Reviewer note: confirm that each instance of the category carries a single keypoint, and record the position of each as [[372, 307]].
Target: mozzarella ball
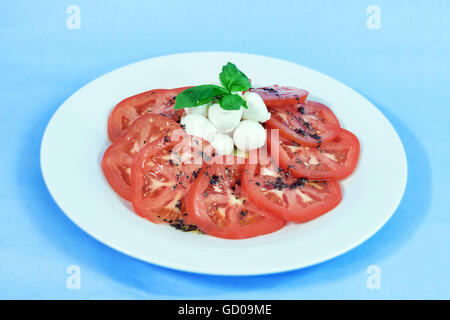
[[198, 125], [222, 143], [201, 109], [224, 120], [257, 109], [249, 135]]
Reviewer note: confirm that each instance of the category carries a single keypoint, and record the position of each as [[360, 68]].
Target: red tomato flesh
[[162, 175], [335, 159], [309, 123], [118, 158], [279, 96], [219, 206], [292, 199], [157, 101]]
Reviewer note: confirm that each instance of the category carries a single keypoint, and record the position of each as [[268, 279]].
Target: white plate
[[76, 138]]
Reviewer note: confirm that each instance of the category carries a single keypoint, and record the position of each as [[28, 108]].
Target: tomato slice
[[292, 199], [118, 158], [162, 175], [219, 206], [158, 101], [309, 123], [278, 95], [334, 159]]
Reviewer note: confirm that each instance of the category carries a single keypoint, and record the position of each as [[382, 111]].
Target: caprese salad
[[228, 160]]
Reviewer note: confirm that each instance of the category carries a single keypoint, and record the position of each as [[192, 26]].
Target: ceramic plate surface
[[76, 137]]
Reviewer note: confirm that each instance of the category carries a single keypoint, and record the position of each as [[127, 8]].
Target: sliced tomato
[[158, 101], [219, 206], [309, 123], [278, 95], [334, 159], [118, 158], [161, 176], [292, 199]]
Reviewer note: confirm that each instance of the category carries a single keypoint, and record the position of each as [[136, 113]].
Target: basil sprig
[[232, 80], [197, 96]]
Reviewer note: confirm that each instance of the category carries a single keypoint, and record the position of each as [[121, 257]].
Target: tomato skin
[[119, 184], [310, 123], [118, 158], [157, 101], [253, 223], [284, 196], [280, 95], [344, 146]]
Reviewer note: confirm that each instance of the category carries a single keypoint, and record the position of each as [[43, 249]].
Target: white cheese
[[224, 120], [257, 109], [202, 109], [222, 143], [249, 135], [198, 125]]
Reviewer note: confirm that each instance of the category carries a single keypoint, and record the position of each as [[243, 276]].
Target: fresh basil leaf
[[232, 102], [199, 95], [233, 79]]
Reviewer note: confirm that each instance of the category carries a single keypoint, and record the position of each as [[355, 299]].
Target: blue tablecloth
[[396, 54]]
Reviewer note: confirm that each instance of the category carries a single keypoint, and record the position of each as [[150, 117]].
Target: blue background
[[404, 68]]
